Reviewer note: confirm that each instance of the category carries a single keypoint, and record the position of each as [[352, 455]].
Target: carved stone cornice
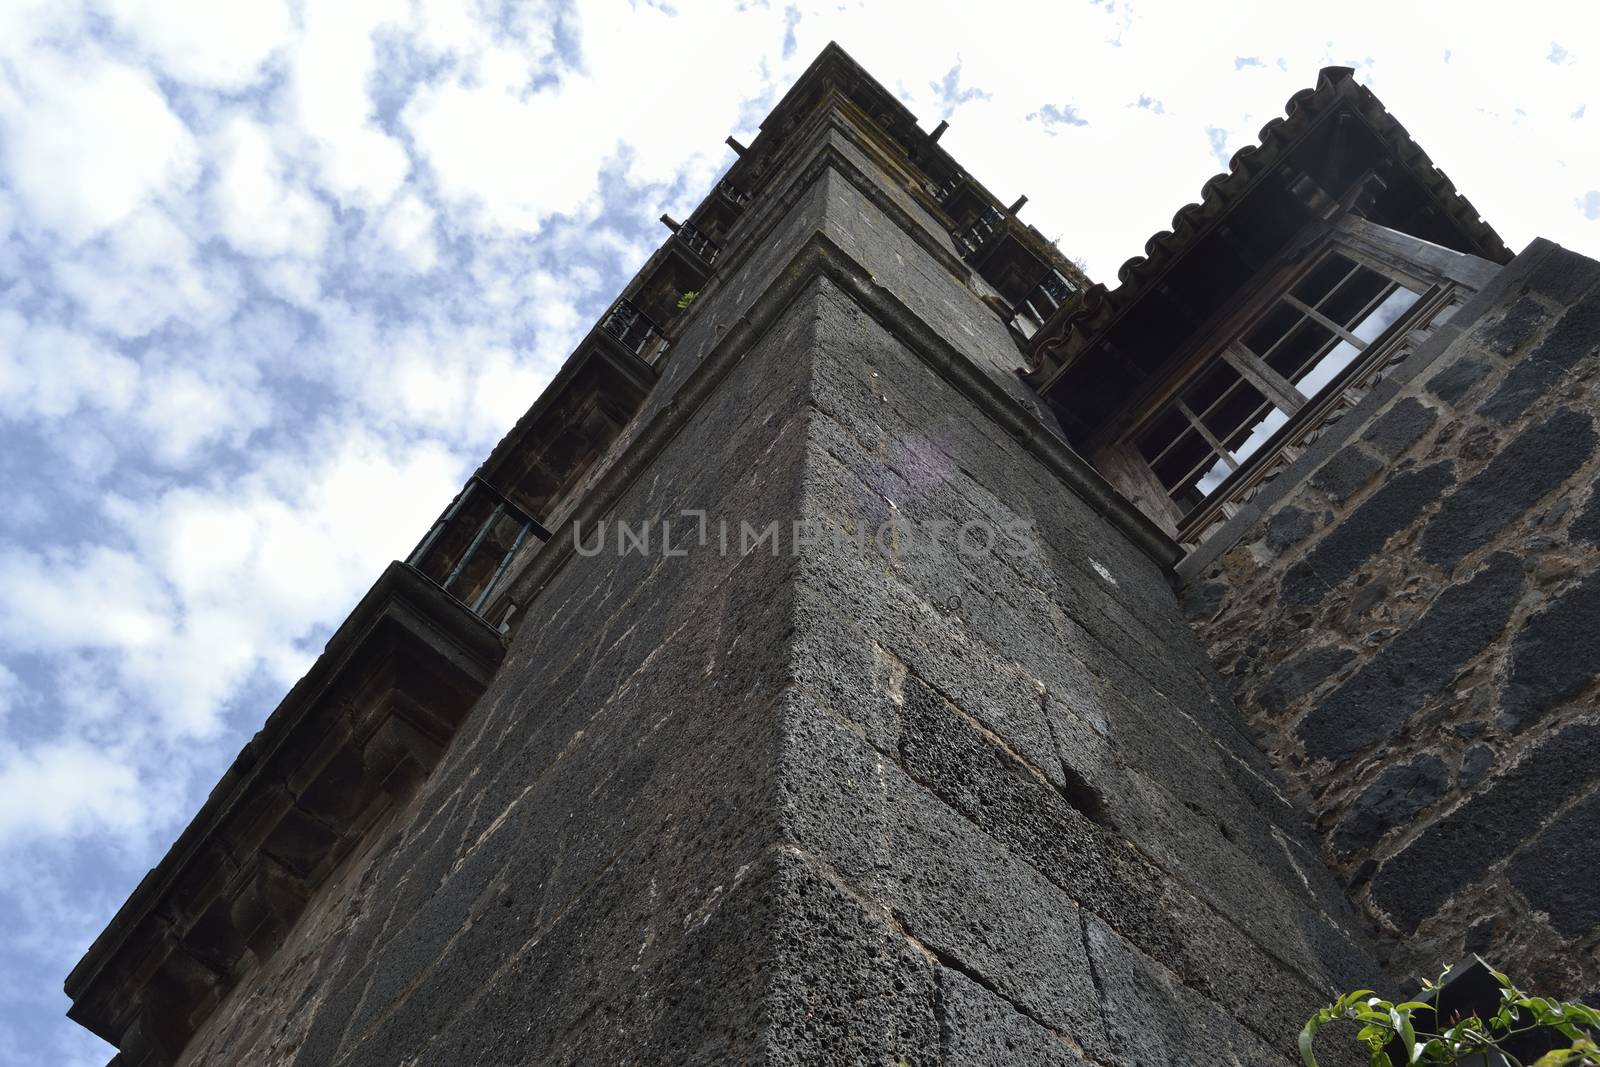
[[368, 722]]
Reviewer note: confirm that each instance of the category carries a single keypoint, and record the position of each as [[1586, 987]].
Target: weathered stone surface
[[1456, 380], [1555, 656], [1416, 665], [1203, 601], [1402, 426], [1365, 531], [979, 1028], [1554, 874], [1397, 795], [1346, 473], [1524, 385], [1575, 335], [1300, 674], [1430, 672], [1455, 851], [1509, 332], [847, 987], [1153, 1019], [1476, 764], [1564, 276], [1288, 527], [1531, 466], [983, 911], [1585, 528]]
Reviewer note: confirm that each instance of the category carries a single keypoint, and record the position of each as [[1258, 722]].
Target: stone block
[[1526, 470], [1346, 473], [1460, 848], [1476, 764], [1563, 275], [1402, 426], [978, 1028], [1416, 665], [1456, 380], [1394, 798], [1300, 674], [984, 912], [1585, 529], [1289, 526], [1363, 533], [1554, 656], [1553, 874], [1511, 330], [1524, 385]]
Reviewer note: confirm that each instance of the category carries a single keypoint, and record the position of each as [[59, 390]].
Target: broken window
[[1301, 345]]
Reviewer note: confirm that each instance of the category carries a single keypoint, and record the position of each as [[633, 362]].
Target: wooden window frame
[[1439, 277]]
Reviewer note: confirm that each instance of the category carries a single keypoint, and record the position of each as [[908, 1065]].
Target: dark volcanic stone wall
[[1414, 633], [1017, 768], [840, 802]]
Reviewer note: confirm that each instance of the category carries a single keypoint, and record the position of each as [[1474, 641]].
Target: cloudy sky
[[273, 277]]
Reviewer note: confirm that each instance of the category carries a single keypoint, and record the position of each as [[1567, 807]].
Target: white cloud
[[87, 787], [262, 210], [47, 372], [407, 228], [144, 274], [203, 42], [327, 98], [87, 140]]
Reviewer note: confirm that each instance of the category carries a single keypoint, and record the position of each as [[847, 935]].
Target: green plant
[[1470, 1039], [687, 298]]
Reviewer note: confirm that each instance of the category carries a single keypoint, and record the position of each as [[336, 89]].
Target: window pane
[[1179, 465], [1383, 316], [1279, 320], [1299, 350], [1212, 478], [1355, 298], [1257, 435], [1210, 386], [1236, 409], [1324, 370], [1319, 282], [1160, 434]]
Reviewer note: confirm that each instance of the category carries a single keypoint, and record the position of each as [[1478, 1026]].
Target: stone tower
[[799, 683]]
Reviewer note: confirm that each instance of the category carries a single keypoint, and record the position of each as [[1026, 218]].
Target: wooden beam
[[1411, 261], [1272, 385]]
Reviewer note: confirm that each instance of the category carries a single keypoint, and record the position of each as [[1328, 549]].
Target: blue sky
[[274, 276]]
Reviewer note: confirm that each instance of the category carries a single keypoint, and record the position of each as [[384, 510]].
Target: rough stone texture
[[1458, 377], [846, 801], [1545, 873], [1483, 832], [1289, 526], [1397, 795], [1534, 464], [1555, 656], [1346, 474], [1400, 427], [1416, 665], [1364, 532], [1585, 528], [1435, 636], [1302, 673]]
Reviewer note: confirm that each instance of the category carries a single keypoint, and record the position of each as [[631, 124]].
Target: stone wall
[[1414, 631], [848, 801]]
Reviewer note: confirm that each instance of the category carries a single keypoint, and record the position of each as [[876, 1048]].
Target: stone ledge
[[368, 722]]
